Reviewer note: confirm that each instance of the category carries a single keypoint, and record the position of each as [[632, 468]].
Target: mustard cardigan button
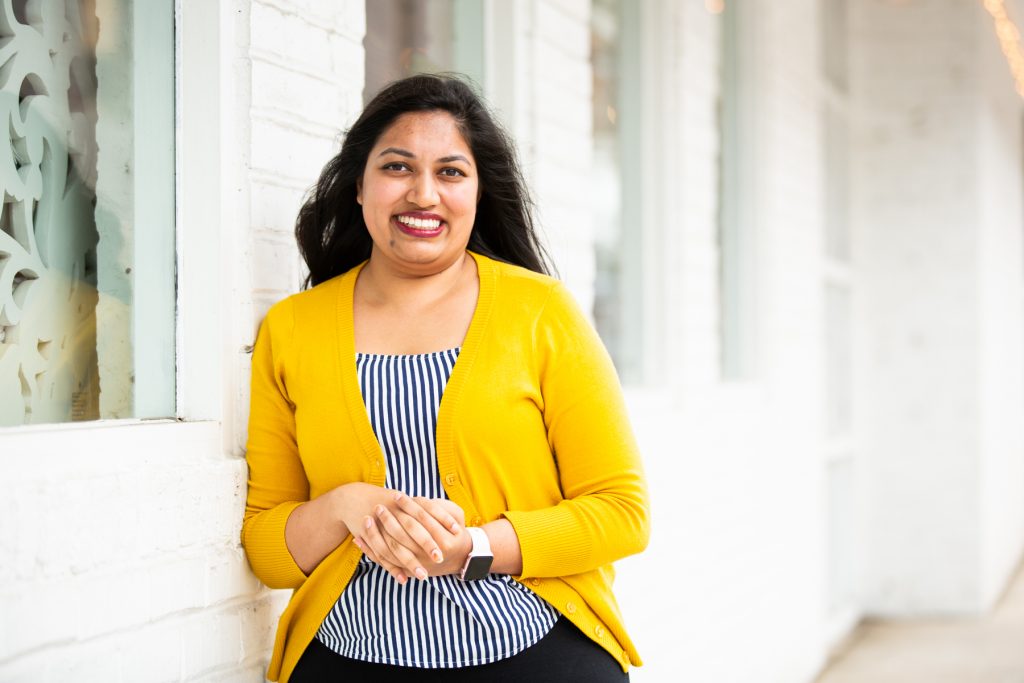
[[570, 607], [599, 631]]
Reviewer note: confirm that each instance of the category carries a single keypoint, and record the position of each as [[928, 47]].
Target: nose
[[423, 192]]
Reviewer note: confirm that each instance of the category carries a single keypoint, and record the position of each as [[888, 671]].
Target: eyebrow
[[409, 155]]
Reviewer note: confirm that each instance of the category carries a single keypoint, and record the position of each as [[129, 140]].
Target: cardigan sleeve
[[605, 513], [277, 480]]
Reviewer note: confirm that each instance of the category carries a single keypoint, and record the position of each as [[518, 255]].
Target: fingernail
[[421, 573], [368, 523], [455, 527], [379, 509], [436, 554], [398, 496], [359, 544]]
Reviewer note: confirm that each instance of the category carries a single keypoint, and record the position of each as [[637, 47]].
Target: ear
[[359, 192]]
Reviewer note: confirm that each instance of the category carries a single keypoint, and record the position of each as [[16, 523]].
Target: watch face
[[478, 567]]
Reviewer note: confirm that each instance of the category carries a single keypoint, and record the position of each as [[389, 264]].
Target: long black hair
[[330, 230]]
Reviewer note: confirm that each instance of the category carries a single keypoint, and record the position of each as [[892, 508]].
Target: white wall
[[538, 80], [131, 532], [120, 542], [937, 223], [1000, 226], [731, 588]]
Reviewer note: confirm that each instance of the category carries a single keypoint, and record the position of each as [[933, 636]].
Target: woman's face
[[419, 193]]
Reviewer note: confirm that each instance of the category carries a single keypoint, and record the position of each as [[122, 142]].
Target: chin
[[425, 257]]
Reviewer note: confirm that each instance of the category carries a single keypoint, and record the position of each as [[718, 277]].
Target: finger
[[439, 513], [379, 547], [401, 543], [420, 525], [362, 545]]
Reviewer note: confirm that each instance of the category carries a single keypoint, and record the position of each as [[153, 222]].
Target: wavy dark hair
[[330, 230]]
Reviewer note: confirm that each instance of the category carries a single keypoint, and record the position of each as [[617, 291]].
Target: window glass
[[735, 196], [405, 37], [86, 301], [837, 145], [617, 181]]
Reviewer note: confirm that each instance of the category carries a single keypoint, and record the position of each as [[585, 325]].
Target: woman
[[464, 538]]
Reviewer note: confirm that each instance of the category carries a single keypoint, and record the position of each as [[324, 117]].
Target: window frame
[[205, 141]]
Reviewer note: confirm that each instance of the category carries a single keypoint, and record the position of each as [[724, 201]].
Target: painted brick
[[23, 603], [300, 94], [275, 260], [211, 640], [151, 652], [258, 623], [277, 31], [228, 576], [569, 33], [98, 661], [111, 600], [296, 155], [159, 528]]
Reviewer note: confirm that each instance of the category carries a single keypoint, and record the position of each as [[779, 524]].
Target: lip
[[416, 232]]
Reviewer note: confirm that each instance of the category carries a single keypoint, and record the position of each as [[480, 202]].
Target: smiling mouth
[[425, 224], [419, 227]]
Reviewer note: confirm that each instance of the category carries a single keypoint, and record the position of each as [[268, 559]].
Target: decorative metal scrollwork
[[48, 235]]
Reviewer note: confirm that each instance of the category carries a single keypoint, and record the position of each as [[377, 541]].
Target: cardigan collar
[[487, 274]]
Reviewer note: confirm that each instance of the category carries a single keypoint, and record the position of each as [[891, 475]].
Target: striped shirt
[[440, 622]]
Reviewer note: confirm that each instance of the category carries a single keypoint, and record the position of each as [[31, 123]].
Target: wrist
[[340, 501], [480, 556], [508, 556]]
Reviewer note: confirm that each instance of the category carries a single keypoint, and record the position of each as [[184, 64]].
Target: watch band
[[478, 562]]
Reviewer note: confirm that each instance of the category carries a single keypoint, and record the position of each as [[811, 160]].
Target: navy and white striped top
[[440, 622]]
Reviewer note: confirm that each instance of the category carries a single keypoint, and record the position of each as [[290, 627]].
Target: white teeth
[[420, 224]]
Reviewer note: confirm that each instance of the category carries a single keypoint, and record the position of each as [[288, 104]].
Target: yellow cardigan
[[532, 427]]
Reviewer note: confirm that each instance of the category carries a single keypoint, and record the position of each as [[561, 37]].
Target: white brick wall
[[552, 126], [121, 558], [737, 556], [305, 91], [133, 543], [1001, 334], [937, 221]]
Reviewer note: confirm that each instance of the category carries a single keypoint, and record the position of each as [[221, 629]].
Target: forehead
[[424, 133]]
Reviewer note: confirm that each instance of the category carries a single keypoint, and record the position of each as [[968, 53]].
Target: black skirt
[[564, 655]]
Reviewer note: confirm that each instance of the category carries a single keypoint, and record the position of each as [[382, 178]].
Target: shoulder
[[526, 300], [516, 282], [309, 314]]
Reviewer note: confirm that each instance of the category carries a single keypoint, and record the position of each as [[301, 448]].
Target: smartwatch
[[478, 564]]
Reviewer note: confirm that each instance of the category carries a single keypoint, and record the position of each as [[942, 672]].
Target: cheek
[[467, 198]]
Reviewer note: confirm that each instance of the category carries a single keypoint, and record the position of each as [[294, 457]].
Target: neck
[[383, 284]]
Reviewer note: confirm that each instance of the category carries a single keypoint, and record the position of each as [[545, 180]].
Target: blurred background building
[[797, 225]]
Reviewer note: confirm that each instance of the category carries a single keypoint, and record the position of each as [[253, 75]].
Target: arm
[[508, 557], [605, 514], [316, 528], [437, 519], [277, 480], [285, 534]]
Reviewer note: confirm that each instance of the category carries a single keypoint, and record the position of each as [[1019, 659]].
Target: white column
[[936, 221]]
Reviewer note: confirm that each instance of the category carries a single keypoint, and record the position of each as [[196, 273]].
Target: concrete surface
[[988, 649]]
